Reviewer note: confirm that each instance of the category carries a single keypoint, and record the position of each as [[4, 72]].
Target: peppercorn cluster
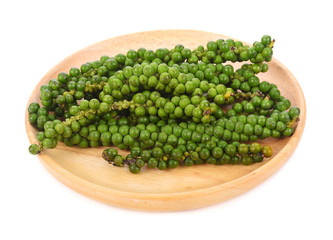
[[168, 107]]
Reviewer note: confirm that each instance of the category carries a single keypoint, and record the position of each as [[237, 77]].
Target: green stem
[[271, 45], [79, 116], [292, 121]]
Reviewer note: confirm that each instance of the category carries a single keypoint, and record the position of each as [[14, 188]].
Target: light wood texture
[[183, 188]]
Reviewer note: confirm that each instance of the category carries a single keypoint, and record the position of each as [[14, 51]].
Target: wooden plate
[[85, 171]]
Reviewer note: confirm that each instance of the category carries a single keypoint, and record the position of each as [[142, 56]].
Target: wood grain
[[183, 188]]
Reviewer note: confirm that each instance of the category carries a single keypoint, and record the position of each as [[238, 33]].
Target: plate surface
[[85, 171]]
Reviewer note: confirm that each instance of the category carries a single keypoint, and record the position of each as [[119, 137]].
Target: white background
[[295, 203]]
